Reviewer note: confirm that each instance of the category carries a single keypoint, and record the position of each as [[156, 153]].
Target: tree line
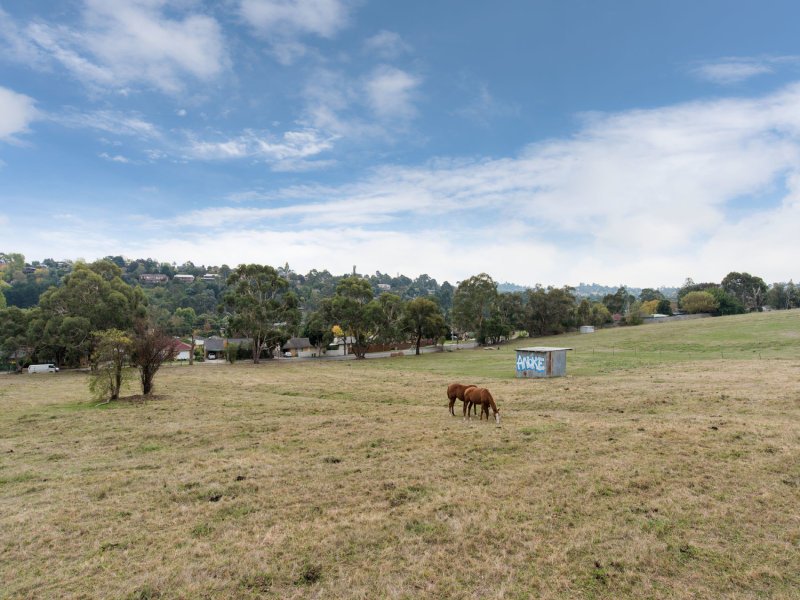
[[270, 305]]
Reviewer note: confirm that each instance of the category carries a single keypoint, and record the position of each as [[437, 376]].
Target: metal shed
[[542, 361]]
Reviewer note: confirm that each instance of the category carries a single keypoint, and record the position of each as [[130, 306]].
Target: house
[[153, 278], [298, 347], [213, 347], [182, 348], [216, 347], [183, 278], [384, 287], [210, 277]]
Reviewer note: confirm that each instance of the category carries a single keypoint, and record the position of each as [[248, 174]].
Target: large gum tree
[[261, 306]]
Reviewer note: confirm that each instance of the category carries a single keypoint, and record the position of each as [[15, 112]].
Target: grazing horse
[[482, 396], [455, 391]]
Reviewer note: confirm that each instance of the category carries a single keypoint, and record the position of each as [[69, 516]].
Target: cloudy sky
[[536, 140]]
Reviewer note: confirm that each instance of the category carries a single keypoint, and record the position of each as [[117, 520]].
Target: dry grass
[[351, 480]]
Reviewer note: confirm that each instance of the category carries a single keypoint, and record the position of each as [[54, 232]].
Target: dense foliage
[[54, 311]]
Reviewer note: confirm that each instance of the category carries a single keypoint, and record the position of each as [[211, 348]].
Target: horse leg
[[452, 404]]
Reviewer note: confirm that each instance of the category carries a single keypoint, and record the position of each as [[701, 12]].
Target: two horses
[[472, 396]]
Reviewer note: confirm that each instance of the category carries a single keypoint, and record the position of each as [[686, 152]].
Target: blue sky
[[553, 142]]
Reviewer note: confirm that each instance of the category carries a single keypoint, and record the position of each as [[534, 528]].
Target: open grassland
[[665, 465]]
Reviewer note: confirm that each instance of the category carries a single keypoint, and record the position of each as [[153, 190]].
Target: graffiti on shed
[[541, 361]]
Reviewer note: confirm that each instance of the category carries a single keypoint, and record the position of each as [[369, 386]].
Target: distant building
[[210, 277], [298, 347], [182, 348], [153, 278], [384, 287], [183, 278]]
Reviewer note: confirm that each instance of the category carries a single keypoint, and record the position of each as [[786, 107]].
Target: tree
[[317, 331], [747, 289], [444, 295], [648, 294], [150, 349], [473, 301], [793, 294], [583, 313], [699, 302], [387, 314], [550, 310], [14, 341], [648, 308], [510, 310], [185, 323], [355, 311], [262, 307], [727, 304], [634, 315], [422, 318], [619, 301], [690, 286], [600, 314], [112, 350], [776, 297], [2, 299], [91, 298], [664, 307]]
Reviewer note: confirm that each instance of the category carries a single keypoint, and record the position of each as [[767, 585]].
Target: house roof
[[214, 344], [218, 344], [181, 346], [296, 344]]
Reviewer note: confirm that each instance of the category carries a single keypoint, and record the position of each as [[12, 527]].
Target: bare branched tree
[[151, 348]]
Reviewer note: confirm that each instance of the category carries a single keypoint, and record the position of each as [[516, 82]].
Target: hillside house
[[183, 278], [153, 278]]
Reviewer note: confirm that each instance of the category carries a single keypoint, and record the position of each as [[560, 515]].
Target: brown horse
[[455, 391], [482, 396]]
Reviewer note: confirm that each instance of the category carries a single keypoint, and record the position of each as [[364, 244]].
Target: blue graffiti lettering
[[531, 363]]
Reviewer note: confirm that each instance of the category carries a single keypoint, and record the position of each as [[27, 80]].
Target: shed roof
[[541, 349]]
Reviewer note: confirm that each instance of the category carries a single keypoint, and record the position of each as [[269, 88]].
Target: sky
[[539, 141]]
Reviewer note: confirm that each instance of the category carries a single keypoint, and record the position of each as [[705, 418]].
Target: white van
[[48, 368]]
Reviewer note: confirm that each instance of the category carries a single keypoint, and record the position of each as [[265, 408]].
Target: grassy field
[[665, 465]]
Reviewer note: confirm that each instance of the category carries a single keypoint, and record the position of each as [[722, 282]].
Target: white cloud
[[286, 18], [642, 196], [732, 70], [292, 145], [386, 44], [115, 158], [121, 43], [391, 92], [17, 111], [118, 123]]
